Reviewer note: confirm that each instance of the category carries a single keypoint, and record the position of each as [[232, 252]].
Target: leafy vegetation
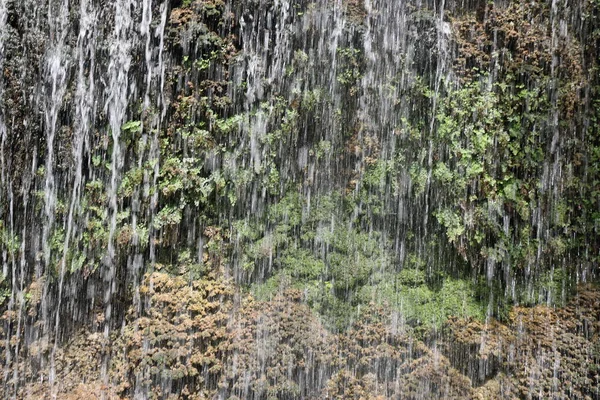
[[282, 225]]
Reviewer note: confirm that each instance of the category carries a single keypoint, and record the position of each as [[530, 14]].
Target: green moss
[[422, 306]]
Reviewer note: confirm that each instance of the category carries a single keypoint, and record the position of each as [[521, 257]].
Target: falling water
[[299, 199]]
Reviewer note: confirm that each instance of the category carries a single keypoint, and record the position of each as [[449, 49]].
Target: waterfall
[[299, 199]]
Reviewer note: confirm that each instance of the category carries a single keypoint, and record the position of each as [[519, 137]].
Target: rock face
[[277, 199]]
